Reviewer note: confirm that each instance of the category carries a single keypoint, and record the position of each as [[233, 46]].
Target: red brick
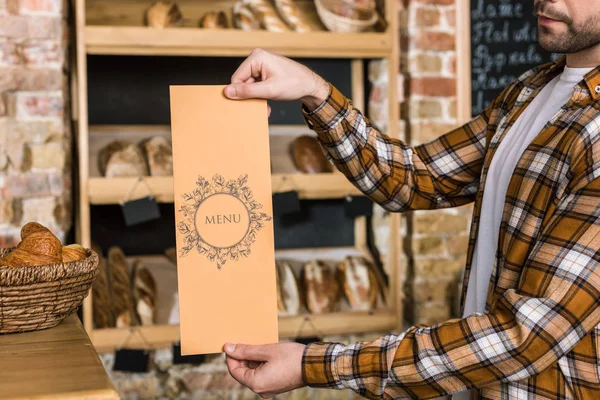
[[36, 105], [47, 53], [451, 17], [29, 7], [27, 186], [435, 41], [378, 94], [13, 26], [445, 87], [427, 17], [44, 27], [439, 2], [9, 54]]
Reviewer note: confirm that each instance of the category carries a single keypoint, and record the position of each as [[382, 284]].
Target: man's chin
[[550, 43]]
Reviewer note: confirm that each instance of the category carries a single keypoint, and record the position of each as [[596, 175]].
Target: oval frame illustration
[[203, 238], [204, 190]]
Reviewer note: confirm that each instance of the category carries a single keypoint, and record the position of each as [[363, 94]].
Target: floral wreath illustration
[[205, 189]]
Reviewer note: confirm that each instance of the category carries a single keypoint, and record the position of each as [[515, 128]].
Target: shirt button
[[597, 89]]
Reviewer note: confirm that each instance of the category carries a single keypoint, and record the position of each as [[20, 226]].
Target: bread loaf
[[288, 298], [322, 291], [38, 246], [159, 155], [163, 14], [214, 20], [308, 155], [358, 282], [266, 15], [102, 309], [73, 252], [121, 158], [244, 18], [120, 287], [290, 14], [144, 294]]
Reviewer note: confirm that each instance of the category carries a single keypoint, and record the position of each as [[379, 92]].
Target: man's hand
[[267, 370], [273, 77]]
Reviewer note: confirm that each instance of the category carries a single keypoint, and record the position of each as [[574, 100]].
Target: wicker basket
[[40, 297], [337, 23]]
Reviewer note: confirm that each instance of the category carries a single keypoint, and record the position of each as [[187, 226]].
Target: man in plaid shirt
[[531, 165]]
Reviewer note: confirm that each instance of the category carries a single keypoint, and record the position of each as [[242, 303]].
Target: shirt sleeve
[[439, 174], [528, 329]]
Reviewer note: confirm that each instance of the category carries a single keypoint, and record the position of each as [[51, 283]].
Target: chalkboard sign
[[503, 46]]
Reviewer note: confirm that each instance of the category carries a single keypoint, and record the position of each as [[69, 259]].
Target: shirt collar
[[591, 79]]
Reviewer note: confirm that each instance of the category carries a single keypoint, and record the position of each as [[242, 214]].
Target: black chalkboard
[[503, 46]]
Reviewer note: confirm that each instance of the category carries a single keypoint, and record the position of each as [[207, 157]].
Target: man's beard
[[575, 39]]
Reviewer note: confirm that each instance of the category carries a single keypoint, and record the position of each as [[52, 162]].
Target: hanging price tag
[[179, 359], [286, 203], [140, 210], [132, 359], [358, 206]]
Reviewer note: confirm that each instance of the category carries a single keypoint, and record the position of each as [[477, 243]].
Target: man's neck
[[587, 58]]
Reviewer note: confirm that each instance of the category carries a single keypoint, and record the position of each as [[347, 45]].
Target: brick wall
[[436, 241], [35, 138]]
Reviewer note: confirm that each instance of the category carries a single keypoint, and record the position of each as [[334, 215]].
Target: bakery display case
[[118, 162]]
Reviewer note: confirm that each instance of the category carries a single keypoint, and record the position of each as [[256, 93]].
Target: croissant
[[38, 246], [73, 252]]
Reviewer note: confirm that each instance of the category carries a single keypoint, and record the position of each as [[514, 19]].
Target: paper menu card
[[223, 215]]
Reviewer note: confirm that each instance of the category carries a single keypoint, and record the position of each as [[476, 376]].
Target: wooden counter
[[56, 363]]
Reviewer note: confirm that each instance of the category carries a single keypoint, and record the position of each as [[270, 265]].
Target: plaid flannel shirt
[[539, 336]]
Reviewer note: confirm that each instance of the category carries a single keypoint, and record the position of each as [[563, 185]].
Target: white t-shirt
[[541, 109]]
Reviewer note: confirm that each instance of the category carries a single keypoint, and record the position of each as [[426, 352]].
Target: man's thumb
[[246, 353], [240, 91]]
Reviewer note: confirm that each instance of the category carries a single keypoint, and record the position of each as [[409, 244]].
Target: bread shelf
[[306, 325], [134, 40], [309, 186], [115, 27]]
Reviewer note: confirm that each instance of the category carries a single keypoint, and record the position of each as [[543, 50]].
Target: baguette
[[291, 15], [266, 15], [244, 18], [120, 287], [102, 310]]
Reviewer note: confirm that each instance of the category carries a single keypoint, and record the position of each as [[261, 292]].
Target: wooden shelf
[[309, 186], [308, 325], [140, 40]]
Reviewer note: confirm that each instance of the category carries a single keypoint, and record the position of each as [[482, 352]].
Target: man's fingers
[[256, 90], [240, 372], [248, 353], [249, 67]]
